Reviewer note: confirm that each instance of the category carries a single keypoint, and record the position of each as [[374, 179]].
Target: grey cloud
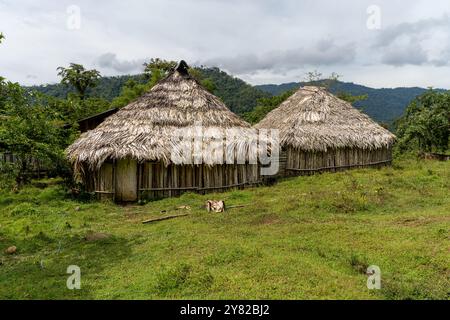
[[412, 53], [324, 52], [389, 35], [443, 59], [259, 40], [110, 61], [403, 44]]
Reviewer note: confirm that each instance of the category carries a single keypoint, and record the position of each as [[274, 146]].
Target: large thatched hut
[[320, 132], [168, 141]]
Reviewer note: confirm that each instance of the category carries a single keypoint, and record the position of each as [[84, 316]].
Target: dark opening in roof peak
[[182, 68]]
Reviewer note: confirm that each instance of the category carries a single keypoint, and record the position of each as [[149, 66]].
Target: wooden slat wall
[[105, 181], [334, 160], [126, 180], [193, 178]]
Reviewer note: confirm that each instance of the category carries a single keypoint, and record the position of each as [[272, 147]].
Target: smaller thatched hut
[[135, 153], [320, 132]]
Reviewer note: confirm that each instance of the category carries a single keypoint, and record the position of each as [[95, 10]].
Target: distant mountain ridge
[[238, 95], [383, 105]]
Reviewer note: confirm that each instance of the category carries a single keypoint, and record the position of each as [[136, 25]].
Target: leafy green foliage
[[130, 91], [264, 106], [107, 88], [78, 77], [158, 68], [73, 108], [237, 95], [426, 123], [207, 83], [31, 129]]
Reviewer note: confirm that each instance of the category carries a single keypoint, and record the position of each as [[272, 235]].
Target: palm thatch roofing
[[313, 119], [144, 129]]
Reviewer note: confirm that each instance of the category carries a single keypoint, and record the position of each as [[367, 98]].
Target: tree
[[1, 37], [426, 123], [31, 130], [158, 68], [316, 78], [154, 71], [265, 105], [206, 82], [80, 78], [131, 91], [313, 77]]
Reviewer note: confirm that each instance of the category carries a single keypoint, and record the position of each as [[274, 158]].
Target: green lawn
[[304, 238]]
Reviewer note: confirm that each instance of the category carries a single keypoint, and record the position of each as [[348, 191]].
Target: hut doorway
[[126, 180]]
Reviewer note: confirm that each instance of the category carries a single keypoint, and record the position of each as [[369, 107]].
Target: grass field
[[304, 238]]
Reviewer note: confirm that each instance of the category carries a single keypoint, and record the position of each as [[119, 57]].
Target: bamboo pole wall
[[155, 180], [158, 181], [301, 162]]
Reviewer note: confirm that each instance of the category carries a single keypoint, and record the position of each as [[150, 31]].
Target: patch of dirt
[[96, 236], [420, 221]]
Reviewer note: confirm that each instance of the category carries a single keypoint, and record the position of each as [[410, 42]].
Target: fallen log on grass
[[165, 218], [239, 206]]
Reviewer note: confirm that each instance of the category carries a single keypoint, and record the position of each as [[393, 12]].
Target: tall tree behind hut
[[316, 78], [78, 77], [154, 71], [158, 68]]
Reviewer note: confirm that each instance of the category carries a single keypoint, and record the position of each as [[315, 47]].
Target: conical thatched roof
[[315, 120], [144, 129]]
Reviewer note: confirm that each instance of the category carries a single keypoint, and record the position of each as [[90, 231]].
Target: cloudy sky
[[384, 43]]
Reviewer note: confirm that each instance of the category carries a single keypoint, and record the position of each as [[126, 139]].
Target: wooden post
[[114, 180], [138, 181]]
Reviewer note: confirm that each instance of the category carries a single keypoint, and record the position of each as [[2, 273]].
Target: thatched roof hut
[[140, 140], [319, 131]]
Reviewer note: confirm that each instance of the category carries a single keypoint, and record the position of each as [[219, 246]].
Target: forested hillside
[[238, 95], [108, 87], [384, 105]]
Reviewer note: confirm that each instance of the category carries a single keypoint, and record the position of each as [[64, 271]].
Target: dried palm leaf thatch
[[144, 129], [315, 120]]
